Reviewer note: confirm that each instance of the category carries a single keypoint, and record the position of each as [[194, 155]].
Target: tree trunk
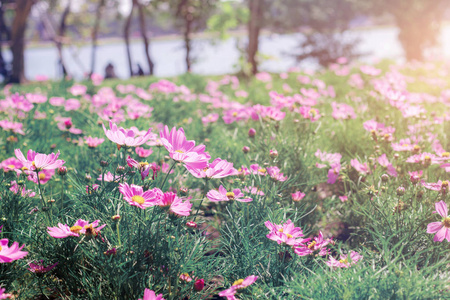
[[5, 35], [187, 39], [18, 40], [98, 15], [126, 35], [151, 65], [254, 27], [59, 39]]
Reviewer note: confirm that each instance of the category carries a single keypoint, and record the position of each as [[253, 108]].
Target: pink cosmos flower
[[24, 192], [80, 227], [219, 168], [142, 152], [65, 124], [44, 176], [275, 174], [15, 127], [238, 285], [150, 295], [361, 168], [333, 173], [309, 113], [343, 198], [57, 101], [39, 268], [9, 254], [318, 245], [344, 261], [257, 170], [286, 233], [297, 196], [90, 189], [403, 145], [3, 295], [223, 195], [183, 150], [253, 190], [424, 158], [72, 104], [143, 167], [78, 89], [93, 142], [38, 161], [108, 177], [136, 196], [11, 164], [440, 186], [442, 228], [125, 137], [211, 118], [96, 79], [383, 161], [175, 204], [342, 111]]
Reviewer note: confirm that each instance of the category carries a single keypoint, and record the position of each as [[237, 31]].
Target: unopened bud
[[251, 132], [120, 170], [88, 177], [385, 177], [191, 224], [62, 171], [184, 191], [104, 163], [246, 149], [273, 153], [400, 191], [115, 218], [414, 179]]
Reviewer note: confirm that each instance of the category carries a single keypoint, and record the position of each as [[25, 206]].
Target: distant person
[[109, 71], [140, 72]]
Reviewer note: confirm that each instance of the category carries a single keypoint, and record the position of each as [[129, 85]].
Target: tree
[[5, 35], [255, 22], [22, 11], [189, 16], [418, 22], [142, 25], [98, 15]]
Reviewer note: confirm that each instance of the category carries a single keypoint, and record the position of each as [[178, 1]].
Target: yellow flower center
[[444, 184], [313, 112], [405, 145], [280, 230], [76, 228], [143, 163], [33, 163], [138, 199], [289, 236], [234, 114], [41, 176], [24, 168], [0, 248], [416, 147], [343, 261], [446, 222], [230, 195], [427, 157], [11, 166], [446, 154], [179, 151], [238, 282], [262, 170], [311, 246]]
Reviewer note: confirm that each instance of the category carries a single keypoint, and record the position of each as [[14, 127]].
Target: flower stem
[[168, 173]]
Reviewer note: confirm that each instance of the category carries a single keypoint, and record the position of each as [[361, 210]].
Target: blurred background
[[58, 39]]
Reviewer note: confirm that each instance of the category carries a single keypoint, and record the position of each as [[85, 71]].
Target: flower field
[[302, 185]]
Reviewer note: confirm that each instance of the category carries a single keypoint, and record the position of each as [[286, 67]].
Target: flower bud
[[62, 171], [273, 153], [385, 177], [120, 170], [400, 191], [414, 179], [199, 284], [184, 191], [68, 124], [251, 132], [191, 224], [88, 177], [115, 218], [104, 163]]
